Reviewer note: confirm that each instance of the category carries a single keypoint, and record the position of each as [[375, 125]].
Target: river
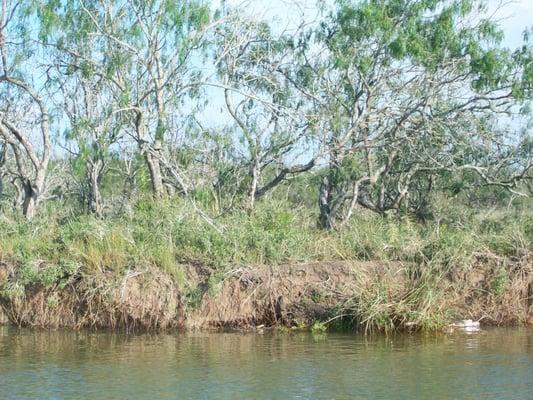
[[491, 364]]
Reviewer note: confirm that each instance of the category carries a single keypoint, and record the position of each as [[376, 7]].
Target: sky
[[514, 18]]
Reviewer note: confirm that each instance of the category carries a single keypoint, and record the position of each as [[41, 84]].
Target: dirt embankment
[[369, 295]]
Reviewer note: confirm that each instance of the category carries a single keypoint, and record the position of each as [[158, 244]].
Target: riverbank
[[163, 266], [325, 295]]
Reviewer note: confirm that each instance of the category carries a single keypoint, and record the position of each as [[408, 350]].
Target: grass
[[170, 234]]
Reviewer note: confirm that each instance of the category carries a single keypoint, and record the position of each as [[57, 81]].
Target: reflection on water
[[493, 364]]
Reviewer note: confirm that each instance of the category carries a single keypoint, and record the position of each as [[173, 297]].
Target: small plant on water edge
[[319, 327]]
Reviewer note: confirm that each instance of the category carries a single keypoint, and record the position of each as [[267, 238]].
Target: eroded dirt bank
[[367, 295]]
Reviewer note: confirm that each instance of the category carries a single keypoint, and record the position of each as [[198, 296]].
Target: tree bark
[[154, 167], [29, 203], [94, 175], [324, 203], [255, 173], [151, 154]]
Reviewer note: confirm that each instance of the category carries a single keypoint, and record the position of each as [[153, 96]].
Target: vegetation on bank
[[165, 235], [60, 250]]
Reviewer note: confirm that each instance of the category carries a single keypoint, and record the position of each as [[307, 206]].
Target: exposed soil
[[493, 290]]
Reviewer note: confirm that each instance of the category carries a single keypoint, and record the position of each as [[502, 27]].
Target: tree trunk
[[29, 203], [255, 172], [151, 154], [94, 174], [19, 194], [324, 203], [154, 167], [32, 191]]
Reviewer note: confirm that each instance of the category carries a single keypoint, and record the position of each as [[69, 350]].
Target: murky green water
[[494, 364]]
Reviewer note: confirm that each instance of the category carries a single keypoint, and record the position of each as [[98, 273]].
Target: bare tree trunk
[[324, 203], [154, 167], [30, 200], [154, 158], [32, 191], [255, 172], [151, 154], [17, 201], [94, 175], [355, 197]]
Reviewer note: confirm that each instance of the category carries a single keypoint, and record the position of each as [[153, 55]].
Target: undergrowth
[[171, 234]]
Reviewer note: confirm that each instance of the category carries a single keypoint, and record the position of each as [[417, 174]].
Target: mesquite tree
[[24, 114], [93, 120], [406, 89], [385, 101], [94, 127], [269, 115], [149, 52]]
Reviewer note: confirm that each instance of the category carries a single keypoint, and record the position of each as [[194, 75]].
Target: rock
[[466, 325]]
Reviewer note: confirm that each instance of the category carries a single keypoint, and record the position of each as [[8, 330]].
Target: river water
[[492, 364]]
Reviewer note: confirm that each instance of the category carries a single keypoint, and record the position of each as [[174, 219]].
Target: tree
[[269, 115], [402, 89], [149, 52], [24, 113], [87, 97], [94, 127]]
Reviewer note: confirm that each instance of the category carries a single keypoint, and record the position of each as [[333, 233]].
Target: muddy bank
[[365, 295]]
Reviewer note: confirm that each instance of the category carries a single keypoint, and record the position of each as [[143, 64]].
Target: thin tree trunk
[[94, 174], [255, 172], [324, 203], [19, 194], [353, 203], [154, 163], [154, 167], [151, 154]]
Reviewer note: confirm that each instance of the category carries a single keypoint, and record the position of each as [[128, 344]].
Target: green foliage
[[359, 101], [54, 247], [499, 282], [319, 327]]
